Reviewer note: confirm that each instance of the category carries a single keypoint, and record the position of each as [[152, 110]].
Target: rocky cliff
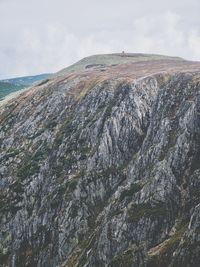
[[100, 166]]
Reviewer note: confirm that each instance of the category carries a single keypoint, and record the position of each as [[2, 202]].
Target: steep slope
[[102, 168]]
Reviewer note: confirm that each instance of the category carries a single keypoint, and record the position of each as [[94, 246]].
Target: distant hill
[[7, 88], [15, 84]]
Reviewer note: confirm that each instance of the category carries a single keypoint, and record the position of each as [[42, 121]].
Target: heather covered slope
[[106, 60], [101, 167]]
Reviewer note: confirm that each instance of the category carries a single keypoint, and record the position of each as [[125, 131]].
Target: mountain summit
[[100, 166]]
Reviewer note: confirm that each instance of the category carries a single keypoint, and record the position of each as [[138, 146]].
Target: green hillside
[[27, 80], [7, 88], [13, 85], [112, 59]]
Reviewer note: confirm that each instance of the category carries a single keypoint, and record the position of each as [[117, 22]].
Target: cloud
[[46, 36], [194, 43]]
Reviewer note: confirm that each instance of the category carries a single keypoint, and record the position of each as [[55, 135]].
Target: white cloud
[[45, 36], [194, 44]]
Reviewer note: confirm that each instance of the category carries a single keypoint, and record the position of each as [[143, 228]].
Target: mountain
[[100, 166], [101, 61], [13, 85]]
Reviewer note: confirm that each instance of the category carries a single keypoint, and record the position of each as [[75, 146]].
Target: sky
[[42, 36]]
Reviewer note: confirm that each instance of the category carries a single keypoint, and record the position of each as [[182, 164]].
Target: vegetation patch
[[105, 173], [28, 169], [138, 211], [134, 188], [126, 258], [8, 121], [70, 185], [65, 130], [4, 256], [79, 256], [17, 187], [86, 89], [11, 153], [51, 124], [160, 255], [31, 164]]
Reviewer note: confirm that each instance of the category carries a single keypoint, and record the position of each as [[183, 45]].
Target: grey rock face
[[102, 170]]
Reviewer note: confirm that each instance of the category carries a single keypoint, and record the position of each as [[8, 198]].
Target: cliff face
[[101, 167]]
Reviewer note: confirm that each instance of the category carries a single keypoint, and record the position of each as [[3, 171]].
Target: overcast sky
[[39, 36]]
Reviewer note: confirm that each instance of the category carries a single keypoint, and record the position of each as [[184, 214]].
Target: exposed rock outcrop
[[102, 168]]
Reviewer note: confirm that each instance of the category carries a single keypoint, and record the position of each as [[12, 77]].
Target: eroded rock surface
[[102, 168]]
